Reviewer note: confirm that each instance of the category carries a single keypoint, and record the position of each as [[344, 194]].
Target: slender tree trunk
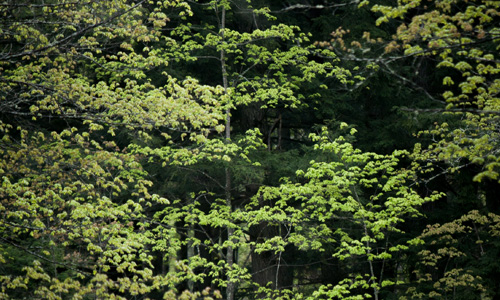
[[190, 253], [230, 231], [372, 270]]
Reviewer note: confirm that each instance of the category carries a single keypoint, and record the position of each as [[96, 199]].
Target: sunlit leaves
[[73, 199], [88, 107], [365, 194], [63, 196], [462, 37]]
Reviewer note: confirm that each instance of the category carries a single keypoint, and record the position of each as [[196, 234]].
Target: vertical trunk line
[[227, 187], [372, 271], [190, 253], [367, 245]]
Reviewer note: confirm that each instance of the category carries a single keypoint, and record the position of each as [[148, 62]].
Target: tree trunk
[[230, 231]]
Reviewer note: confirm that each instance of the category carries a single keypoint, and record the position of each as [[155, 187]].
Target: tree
[[350, 205], [74, 94], [459, 259], [79, 114], [263, 67], [108, 108], [462, 38], [459, 40]]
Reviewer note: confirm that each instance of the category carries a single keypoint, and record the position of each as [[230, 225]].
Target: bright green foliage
[[75, 208], [74, 200], [354, 203], [463, 36], [262, 67], [89, 59], [101, 119], [350, 205]]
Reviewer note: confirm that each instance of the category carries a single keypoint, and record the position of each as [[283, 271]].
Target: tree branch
[[73, 35]]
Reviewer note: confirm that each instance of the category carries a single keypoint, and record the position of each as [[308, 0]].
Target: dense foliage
[[249, 149]]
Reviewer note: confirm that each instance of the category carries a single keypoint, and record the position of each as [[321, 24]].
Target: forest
[[250, 149]]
